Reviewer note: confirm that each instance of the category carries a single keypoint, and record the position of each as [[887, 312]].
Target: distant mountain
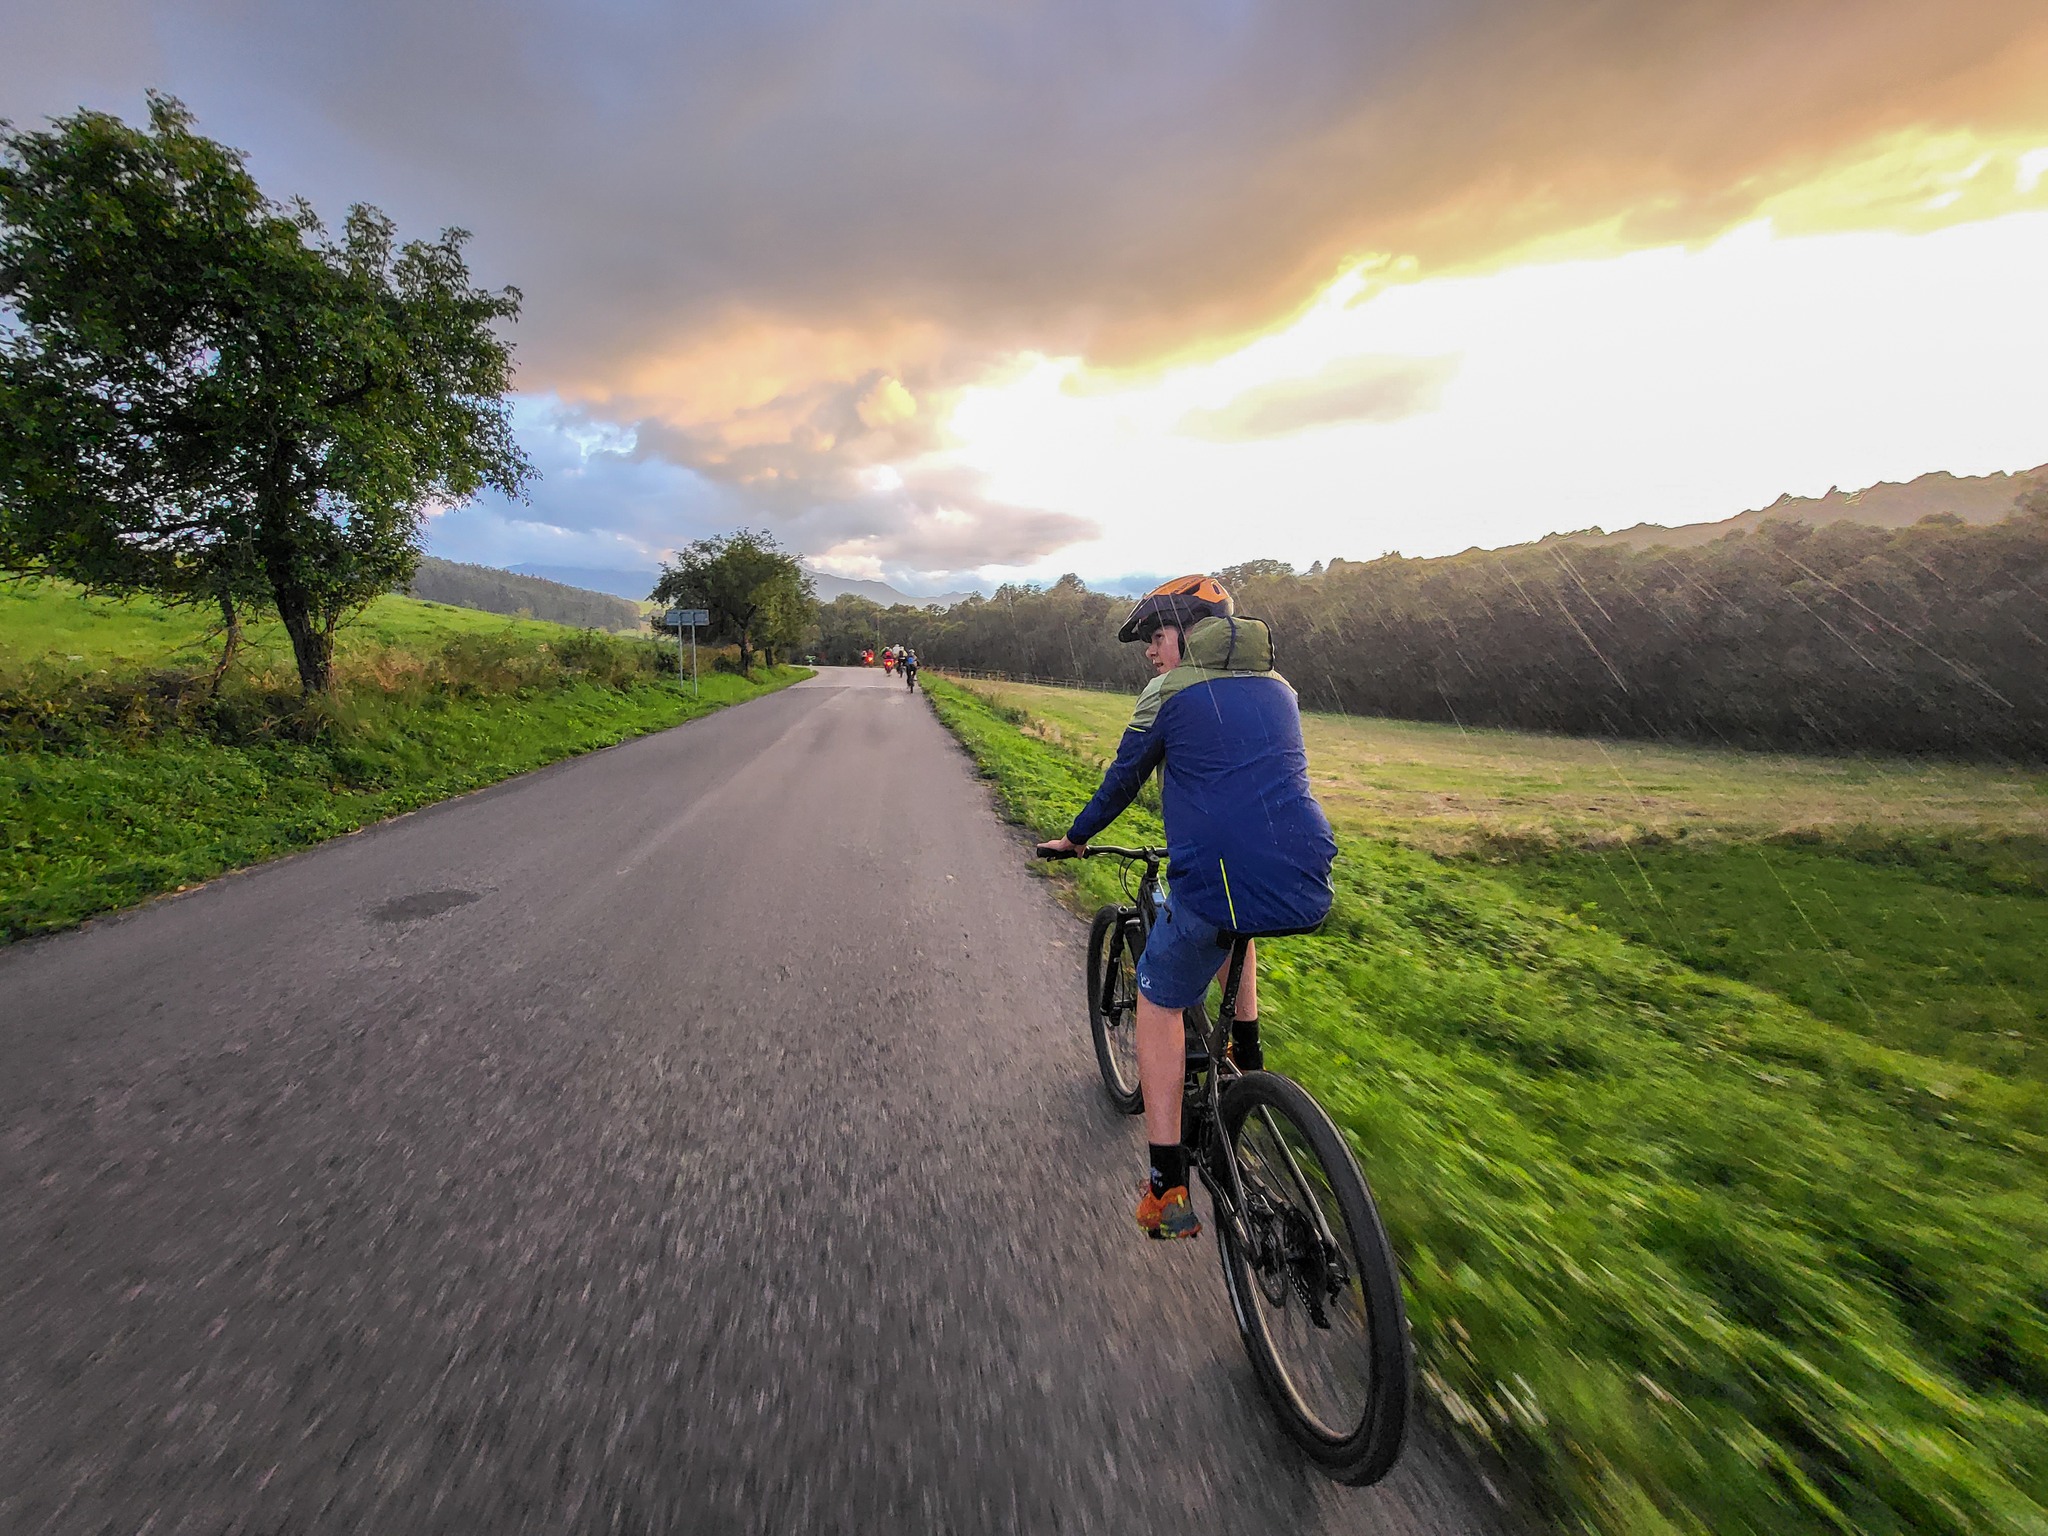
[[878, 592], [491, 590], [1975, 499], [631, 585]]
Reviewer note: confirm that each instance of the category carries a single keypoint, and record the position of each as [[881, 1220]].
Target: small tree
[[209, 400], [757, 593]]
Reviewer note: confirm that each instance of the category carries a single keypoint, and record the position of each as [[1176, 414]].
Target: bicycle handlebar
[[1152, 855]]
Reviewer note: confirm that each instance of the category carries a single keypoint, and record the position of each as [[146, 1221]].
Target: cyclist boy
[[909, 668], [1249, 848]]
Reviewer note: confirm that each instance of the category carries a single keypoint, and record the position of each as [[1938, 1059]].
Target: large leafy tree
[[207, 398], [756, 592]]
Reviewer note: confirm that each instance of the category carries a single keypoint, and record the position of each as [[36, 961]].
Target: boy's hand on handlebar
[[1060, 848]]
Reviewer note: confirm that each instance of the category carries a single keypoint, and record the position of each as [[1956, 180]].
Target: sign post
[[692, 618]]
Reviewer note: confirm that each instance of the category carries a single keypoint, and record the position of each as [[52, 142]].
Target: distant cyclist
[[909, 666], [1250, 849]]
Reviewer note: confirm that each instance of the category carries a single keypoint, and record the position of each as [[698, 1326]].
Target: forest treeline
[[1931, 638], [495, 591]]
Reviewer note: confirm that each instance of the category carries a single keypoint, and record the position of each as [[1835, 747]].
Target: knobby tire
[[1343, 1391], [1113, 980]]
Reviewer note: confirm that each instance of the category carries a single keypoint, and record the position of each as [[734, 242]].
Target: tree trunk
[[746, 654], [312, 633], [312, 642], [231, 640]]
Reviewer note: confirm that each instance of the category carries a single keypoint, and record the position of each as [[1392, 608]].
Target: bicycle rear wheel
[[1113, 1007], [1315, 1289]]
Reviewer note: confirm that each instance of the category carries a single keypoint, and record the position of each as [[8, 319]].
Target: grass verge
[[1689, 1256]]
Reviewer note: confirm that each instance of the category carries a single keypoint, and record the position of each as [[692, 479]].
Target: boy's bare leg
[[1163, 1051], [1162, 1065]]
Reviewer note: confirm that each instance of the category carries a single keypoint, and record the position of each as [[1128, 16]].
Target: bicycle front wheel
[[1113, 1007], [1313, 1282]]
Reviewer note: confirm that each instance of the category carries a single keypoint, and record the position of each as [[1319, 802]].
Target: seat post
[[1238, 945]]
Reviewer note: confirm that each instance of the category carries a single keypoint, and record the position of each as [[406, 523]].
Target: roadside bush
[[492, 663], [51, 710], [505, 661], [615, 661]]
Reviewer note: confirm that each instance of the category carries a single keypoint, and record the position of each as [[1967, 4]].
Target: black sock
[[1244, 1045], [1169, 1167]]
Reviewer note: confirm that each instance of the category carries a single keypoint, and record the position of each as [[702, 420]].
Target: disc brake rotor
[[1306, 1268], [1267, 1259]]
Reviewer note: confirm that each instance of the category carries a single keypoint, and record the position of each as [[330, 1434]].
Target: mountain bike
[[909, 676], [1312, 1278]]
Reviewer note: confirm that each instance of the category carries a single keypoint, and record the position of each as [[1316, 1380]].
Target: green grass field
[[1715, 1217], [1931, 954], [120, 779], [1460, 791], [1903, 900]]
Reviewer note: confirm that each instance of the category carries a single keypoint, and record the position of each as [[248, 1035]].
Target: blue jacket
[[1250, 848]]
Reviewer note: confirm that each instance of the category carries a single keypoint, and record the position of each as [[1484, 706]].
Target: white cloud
[[1668, 385], [599, 500]]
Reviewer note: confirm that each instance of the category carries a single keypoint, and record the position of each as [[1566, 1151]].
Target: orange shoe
[[1167, 1217]]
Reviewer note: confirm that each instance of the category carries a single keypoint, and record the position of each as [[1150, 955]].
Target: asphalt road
[[698, 1136]]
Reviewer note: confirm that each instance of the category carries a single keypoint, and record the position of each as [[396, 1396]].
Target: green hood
[[1211, 649], [1228, 645]]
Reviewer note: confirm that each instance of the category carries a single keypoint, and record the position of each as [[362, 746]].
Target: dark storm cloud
[[737, 220], [1042, 173]]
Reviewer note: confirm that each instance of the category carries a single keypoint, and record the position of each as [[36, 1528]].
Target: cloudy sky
[[946, 292]]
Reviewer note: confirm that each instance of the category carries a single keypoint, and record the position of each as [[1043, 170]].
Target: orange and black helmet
[[1180, 601]]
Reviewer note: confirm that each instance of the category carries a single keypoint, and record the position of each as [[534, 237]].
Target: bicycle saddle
[[1228, 936]]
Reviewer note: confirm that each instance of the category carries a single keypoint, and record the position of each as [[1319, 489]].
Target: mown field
[[1703, 1092], [123, 774], [1898, 898]]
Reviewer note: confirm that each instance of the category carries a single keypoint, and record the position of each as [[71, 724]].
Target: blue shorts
[[1182, 956]]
